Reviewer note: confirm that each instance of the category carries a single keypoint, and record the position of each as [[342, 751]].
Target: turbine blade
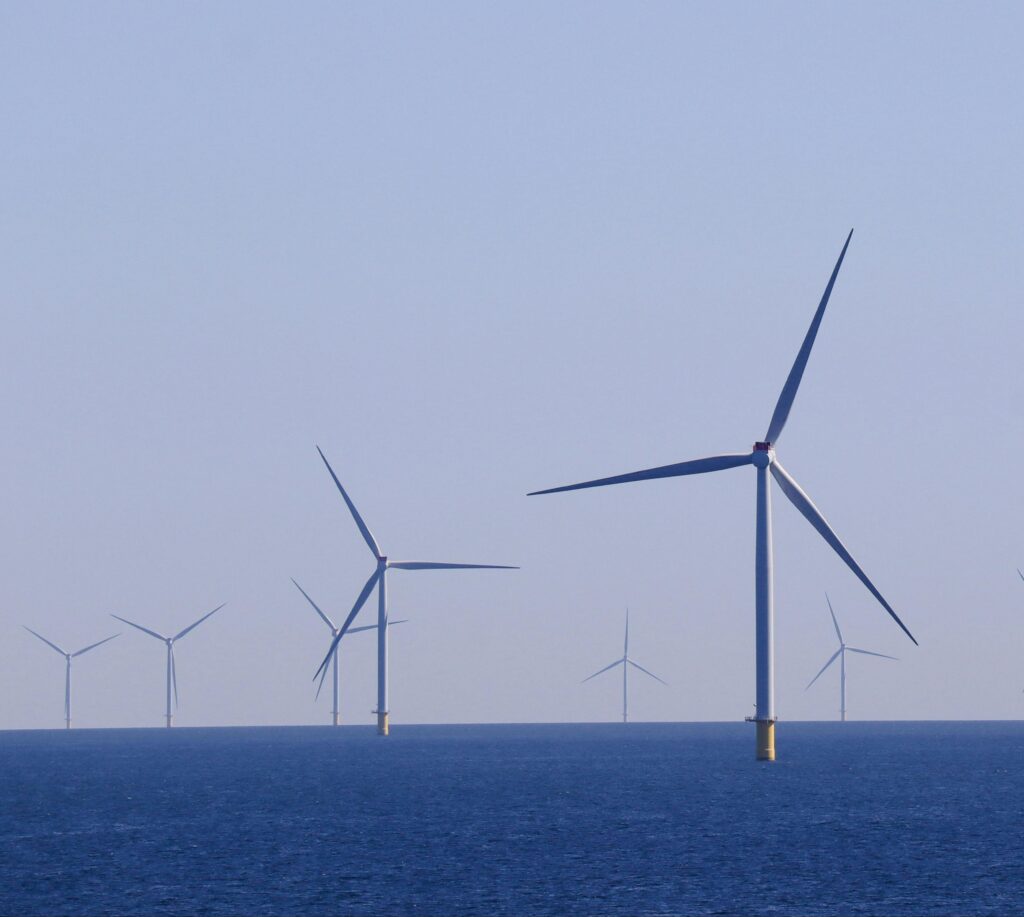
[[832, 659], [356, 630], [1021, 575], [316, 607], [600, 671], [625, 645], [363, 596], [319, 687], [642, 669], [869, 653], [47, 642], [835, 623], [93, 646], [811, 513], [696, 466], [789, 390], [145, 630], [194, 625], [430, 565], [363, 530], [174, 678]]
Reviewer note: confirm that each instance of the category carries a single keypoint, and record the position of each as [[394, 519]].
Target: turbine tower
[[764, 460], [840, 654], [378, 579], [625, 662], [67, 668], [336, 713], [172, 675]]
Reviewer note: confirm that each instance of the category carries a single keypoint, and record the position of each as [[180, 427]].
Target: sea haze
[[900, 818]]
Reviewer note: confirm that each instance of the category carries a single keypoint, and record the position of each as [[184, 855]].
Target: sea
[[854, 818]]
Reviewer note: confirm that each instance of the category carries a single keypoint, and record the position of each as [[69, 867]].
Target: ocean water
[[896, 818]]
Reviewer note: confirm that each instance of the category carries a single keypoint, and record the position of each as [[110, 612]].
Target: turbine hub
[[763, 455]]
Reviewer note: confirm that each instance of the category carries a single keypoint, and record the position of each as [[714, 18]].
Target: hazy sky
[[474, 250]]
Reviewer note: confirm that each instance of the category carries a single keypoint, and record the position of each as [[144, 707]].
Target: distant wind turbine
[[379, 579], [172, 675], [625, 662], [335, 712], [67, 668], [840, 654], [764, 460]]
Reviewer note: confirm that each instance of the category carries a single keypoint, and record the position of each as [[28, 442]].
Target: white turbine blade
[[1021, 575], [93, 646], [811, 513], [430, 565], [174, 678], [356, 630], [832, 659], [363, 596], [47, 642], [869, 653], [600, 671], [363, 530], [789, 390], [835, 623], [696, 466], [319, 687], [145, 630], [194, 625], [316, 607], [625, 645], [642, 669]]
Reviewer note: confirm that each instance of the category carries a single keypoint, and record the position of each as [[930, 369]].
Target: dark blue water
[[604, 819]]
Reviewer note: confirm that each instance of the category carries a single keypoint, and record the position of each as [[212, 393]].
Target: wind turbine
[[172, 675], [379, 579], [335, 713], [763, 459], [67, 668], [840, 654], [625, 662]]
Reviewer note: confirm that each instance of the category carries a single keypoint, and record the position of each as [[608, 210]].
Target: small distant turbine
[[840, 654], [172, 675], [765, 463], [378, 579], [67, 668], [335, 713], [625, 662]]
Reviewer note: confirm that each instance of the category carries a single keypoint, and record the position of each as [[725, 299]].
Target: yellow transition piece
[[765, 740]]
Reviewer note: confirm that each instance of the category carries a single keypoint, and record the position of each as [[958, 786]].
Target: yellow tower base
[[383, 725], [765, 740]]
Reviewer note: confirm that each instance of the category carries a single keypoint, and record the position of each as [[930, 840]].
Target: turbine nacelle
[[762, 456]]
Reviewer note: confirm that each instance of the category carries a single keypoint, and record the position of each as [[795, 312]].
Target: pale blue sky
[[473, 250]]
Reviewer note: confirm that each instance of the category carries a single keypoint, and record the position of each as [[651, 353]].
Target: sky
[[474, 250]]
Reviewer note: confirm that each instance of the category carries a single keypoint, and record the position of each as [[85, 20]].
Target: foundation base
[[383, 726], [765, 740]]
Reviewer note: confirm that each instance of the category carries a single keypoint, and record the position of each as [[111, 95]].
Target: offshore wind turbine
[[172, 674], [764, 460], [625, 662], [67, 668], [335, 712], [840, 654], [378, 580]]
